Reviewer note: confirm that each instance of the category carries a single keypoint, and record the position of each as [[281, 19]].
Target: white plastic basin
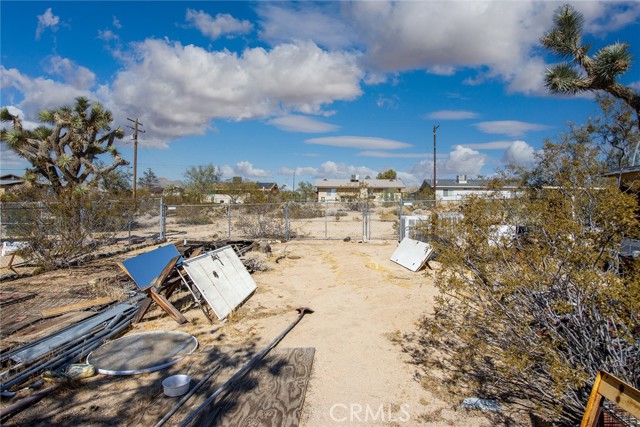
[[176, 385]]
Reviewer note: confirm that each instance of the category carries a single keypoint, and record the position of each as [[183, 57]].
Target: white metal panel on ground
[[412, 254], [221, 278]]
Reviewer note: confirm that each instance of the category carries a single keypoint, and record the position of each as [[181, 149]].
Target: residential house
[[335, 190], [237, 191], [453, 190], [9, 180]]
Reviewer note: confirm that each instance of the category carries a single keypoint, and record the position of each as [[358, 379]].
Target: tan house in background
[[8, 181], [337, 190]]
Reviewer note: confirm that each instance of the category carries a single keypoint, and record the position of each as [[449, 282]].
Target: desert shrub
[[262, 225], [193, 215], [530, 320], [305, 210], [60, 228]]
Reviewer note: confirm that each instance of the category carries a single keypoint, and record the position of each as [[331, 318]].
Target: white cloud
[[40, 93], [511, 128], [304, 124], [363, 142], [47, 20], [8, 157], [321, 23], [385, 154], [26, 124], [519, 153], [222, 25], [329, 170], [451, 115], [246, 170], [177, 90], [461, 160], [75, 75], [116, 23], [497, 39], [493, 145]]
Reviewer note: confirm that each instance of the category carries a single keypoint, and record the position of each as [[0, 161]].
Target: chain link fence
[[358, 220], [102, 222]]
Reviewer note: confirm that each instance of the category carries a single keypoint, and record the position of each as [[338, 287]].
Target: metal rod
[[247, 367], [10, 411], [187, 396], [70, 354]]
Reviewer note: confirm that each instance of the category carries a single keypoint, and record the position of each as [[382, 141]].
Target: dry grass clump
[[257, 261]]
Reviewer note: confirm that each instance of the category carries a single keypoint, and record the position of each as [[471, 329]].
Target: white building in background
[[336, 190], [454, 190]]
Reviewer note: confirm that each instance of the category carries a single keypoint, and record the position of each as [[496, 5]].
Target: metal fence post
[[326, 214], [163, 219], [229, 221], [286, 221]]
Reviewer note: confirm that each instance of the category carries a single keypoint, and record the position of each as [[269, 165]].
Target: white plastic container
[[176, 385]]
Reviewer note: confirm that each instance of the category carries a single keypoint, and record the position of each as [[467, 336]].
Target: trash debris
[[412, 254], [142, 352], [220, 279], [176, 385], [482, 404]]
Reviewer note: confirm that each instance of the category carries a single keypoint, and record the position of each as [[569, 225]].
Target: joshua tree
[[65, 152], [583, 72]]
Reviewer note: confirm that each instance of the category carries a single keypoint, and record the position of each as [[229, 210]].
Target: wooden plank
[[142, 310], [48, 327], [8, 298], [625, 396], [76, 307], [592, 411], [165, 272], [270, 395], [166, 305]]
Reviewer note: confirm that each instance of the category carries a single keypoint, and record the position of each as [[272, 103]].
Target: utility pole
[[435, 128], [135, 151]]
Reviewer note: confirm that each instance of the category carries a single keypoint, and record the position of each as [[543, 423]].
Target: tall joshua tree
[[595, 73], [582, 72], [66, 151]]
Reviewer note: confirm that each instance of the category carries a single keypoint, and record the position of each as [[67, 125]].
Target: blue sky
[[320, 89]]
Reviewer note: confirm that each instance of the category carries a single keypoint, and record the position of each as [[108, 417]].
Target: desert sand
[[362, 376]]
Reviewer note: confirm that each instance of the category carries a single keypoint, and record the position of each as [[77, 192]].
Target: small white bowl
[[176, 385]]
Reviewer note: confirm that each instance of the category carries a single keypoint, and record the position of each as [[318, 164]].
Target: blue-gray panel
[[146, 267]]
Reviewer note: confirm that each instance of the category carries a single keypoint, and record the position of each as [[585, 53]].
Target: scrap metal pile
[[213, 274]]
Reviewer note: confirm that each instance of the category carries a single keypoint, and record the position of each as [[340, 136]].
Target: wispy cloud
[[304, 124], [511, 128], [451, 115], [47, 21], [384, 154], [363, 142], [493, 145], [222, 25], [329, 170]]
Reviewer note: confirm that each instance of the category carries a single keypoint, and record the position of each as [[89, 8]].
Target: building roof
[[624, 171], [10, 179], [369, 183], [267, 186], [442, 184]]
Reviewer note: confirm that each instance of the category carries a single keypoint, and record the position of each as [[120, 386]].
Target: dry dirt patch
[[361, 377]]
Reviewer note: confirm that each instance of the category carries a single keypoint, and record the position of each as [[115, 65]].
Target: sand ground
[[363, 303]]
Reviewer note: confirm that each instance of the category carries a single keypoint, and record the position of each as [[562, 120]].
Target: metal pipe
[[187, 396], [247, 367], [72, 353], [10, 411]]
